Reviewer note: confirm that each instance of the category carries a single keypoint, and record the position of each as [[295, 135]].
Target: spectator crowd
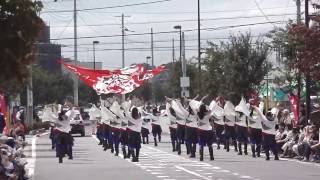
[[12, 143]]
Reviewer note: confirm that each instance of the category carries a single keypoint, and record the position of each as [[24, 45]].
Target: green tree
[[20, 26], [87, 95], [236, 67], [49, 87], [55, 88]]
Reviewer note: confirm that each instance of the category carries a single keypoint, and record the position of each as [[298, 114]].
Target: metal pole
[[308, 79], [183, 63], [122, 27], [173, 51], [152, 57], [123, 97], [184, 69], [94, 56], [298, 3], [180, 45], [29, 108], [199, 49], [75, 79]]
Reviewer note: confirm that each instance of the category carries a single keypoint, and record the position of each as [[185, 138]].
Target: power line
[[257, 4], [65, 28], [193, 12], [108, 7], [168, 32], [183, 20], [156, 41]]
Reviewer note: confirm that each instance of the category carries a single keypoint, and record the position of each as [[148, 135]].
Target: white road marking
[[193, 173], [246, 177], [32, 161], [153, 160], [162, 176]]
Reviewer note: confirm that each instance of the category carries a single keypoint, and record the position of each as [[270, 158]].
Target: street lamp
[[94, 53], [178, 27]]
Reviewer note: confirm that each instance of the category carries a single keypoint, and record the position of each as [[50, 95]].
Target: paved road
[[91, 163]]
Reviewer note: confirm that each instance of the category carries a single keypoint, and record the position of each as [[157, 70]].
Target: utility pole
[[75, 79], [199, 50], [152, 57], [173, 51], [152, 65], [298, 4], [308, 79], [178, 27], [29, 109], [123, 97], [184, 81], [123, 29], [183, 64]]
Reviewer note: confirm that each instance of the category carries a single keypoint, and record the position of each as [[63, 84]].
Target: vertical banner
[[294, 107], [3, 109], [3, 105]]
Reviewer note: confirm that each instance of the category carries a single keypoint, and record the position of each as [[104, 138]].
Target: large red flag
[[125, 80], [88, 76], [120, 81]]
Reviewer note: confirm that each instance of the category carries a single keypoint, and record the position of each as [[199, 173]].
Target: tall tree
[[307, 42], [20, 26], [49, 87], [236, 67]]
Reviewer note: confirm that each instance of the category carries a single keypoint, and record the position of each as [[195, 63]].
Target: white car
[[77, 125]]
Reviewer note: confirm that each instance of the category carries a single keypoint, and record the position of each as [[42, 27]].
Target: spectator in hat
[[285, 118]]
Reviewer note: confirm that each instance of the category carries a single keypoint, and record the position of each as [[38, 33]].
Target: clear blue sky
[[162, 15]]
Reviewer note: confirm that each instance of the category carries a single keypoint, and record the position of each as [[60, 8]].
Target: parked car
[[77, 124]]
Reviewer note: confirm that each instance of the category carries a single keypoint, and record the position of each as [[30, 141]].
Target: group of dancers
[[191, 122]]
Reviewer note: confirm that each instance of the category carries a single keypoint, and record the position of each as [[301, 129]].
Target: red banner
[[120, 81], [294, 107], [3, 106], [88, 76]]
